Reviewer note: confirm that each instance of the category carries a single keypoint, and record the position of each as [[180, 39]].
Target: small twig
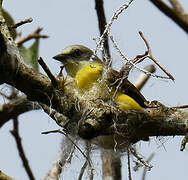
[[100, 43], [168, 11], [143, 78], [129, 165], [29, 37], [48, 72], [139, 58], [176, 6], [180, 107], [88, 150], [184, 142], [38, 30], [82, 170], [66, 150], [130, 61], [134, 153], [102, 23], [179, 9], [145, 168], [28, 20], [61, 71], [15, 133], [34, 35], [153, 58], [61, 132], [14, 108]]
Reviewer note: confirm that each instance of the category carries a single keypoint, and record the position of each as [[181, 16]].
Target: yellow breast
[[89, 74]]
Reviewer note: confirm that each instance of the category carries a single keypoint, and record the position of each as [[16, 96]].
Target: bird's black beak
[[60, 57]]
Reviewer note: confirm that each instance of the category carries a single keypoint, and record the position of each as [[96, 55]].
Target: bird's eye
[[77, 53]]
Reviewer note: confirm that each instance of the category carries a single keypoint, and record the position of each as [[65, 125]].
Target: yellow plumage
[[92, 72], [89, 74]]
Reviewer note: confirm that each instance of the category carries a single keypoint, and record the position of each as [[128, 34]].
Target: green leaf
[[30, 54]]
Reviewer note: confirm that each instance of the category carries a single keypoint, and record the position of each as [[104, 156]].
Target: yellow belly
[[125, 102]]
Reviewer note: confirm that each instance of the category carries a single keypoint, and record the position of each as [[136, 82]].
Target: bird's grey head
[[75, 53]]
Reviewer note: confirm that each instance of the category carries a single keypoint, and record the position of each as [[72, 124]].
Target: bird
[[87, 70]]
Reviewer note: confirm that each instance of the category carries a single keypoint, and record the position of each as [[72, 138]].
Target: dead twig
[[145, 168], [184, 142], [129, 165], [15, 133], [170, 12], [140, 159], [88, 150], [15, 107], [179, 10], [34, 35], [61, 132], [20, 23], [143, 78], [48, 72], [82, 170], [102, 23], [101, 39], [150, 55]]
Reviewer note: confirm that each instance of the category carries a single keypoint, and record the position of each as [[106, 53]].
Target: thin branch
[[20, 23], [132, 62], [64, 156], [82, 170], [153, 58], [29, 37], [178, 8], [88, 150], [129, 165], [145, 168], [61, 132], [34, 35], [184, 142], [15, 133], [143, 78], [14, 108], [100, 43], [102, 23], [48, 72], [182, 22], [134, 153]]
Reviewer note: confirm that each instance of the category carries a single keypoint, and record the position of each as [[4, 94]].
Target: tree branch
[[90, 116], [102, 23], [168, 11], [15, 133], [14, 108]]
